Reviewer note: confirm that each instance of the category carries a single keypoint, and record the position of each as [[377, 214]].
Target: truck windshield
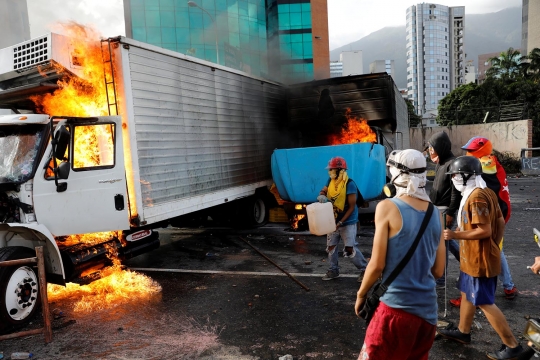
[[19, 149]]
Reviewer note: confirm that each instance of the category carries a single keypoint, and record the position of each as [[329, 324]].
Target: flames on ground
[[87, 97], [117, 287], [355, 130]]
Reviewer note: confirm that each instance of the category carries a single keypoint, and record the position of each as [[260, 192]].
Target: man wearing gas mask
[[404, 322], [342, 193], [480, 230]]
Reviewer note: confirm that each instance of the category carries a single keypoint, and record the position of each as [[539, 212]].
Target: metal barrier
[[47, 329]]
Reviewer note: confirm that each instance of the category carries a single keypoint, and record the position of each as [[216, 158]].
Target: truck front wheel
[[19, 289]]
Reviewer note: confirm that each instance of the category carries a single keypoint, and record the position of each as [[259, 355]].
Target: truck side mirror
[[61, 139], [63, 170]]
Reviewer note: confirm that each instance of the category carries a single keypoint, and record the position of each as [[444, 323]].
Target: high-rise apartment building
[[435, 53], [285, 40], [530, 26], [524, 24]]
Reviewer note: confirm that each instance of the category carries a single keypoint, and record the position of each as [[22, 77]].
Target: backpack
[[360, 202]]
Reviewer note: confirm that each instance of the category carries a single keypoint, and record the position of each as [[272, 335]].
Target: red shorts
[[396, 334]]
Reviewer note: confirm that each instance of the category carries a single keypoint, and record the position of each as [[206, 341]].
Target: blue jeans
[[348, 234], [505, 276]]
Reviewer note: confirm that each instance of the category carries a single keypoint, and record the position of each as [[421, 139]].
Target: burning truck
[[112, 139], [363, 117]]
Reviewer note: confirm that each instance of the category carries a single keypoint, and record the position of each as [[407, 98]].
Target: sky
[[348, 20]]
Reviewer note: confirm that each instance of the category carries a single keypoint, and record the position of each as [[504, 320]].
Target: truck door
[[95, 198]]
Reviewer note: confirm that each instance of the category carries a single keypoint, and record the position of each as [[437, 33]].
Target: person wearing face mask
[[480, 230], [443, 194], [341, 191], [495, 177], [403, 325]]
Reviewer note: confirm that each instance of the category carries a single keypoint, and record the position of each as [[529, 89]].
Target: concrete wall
[[506, 136]]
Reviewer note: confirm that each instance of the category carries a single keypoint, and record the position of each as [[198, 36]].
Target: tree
[[470, 103], [508, 66], [533, 65], [414, 120]]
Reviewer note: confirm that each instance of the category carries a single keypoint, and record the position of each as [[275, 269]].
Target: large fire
[[87, 97], [77, 97], [355, 131]]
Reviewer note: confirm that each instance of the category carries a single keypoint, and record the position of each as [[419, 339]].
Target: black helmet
[[468, 165]]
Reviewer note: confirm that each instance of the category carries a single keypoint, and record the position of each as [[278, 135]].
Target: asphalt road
[[240, 306], [286, 319]]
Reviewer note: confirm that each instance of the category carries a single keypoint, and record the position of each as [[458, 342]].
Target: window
[[94, 146]]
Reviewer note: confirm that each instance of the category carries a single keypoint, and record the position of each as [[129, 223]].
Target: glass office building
[[435, 53], [268, 38], [232, 30], [291, 39]]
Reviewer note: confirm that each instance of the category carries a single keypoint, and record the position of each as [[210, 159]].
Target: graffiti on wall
[[509, 136]]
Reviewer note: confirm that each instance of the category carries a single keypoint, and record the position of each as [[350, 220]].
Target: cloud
[[105, 15], [348, 20]]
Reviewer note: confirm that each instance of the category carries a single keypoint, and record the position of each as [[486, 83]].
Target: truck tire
[[19, 289], [257, 211]]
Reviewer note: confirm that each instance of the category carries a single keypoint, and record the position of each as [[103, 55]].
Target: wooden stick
[[47, 329], [18, 262]]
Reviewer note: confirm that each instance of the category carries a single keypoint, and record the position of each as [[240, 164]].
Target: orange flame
[[116, 288], [355, 131], [295, 220], [87, 96], [77, 97], [90, 239]]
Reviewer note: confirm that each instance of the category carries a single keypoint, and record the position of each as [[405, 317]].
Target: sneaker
[[455, 334], [506, 353], [331, 274], [361, 276], [510, 294], [456, 302]]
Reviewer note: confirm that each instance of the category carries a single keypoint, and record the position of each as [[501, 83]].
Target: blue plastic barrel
[[299, 174]]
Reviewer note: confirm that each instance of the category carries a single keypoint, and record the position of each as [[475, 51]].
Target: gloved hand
[[322, 199]]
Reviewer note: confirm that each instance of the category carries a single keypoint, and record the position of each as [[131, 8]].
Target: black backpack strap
[[359, 198], [384, 286]]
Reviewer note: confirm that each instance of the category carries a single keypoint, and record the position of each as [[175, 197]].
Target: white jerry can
[[321, 218]]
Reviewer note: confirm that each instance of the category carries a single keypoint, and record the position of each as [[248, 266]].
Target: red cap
[[478, 146]]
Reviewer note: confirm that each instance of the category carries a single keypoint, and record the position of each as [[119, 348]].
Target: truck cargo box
[[201, 134], [319, 107], [299, 174]]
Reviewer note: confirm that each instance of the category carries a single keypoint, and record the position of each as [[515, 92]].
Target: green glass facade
[[289, 30], [269, 38]]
